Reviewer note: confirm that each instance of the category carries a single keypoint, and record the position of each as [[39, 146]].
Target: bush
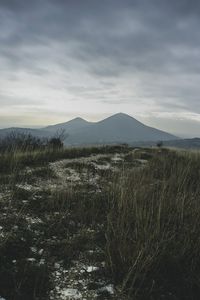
[[55, 143], [159, 144], [20, 141]]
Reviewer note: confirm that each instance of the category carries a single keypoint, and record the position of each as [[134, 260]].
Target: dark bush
[[20, 141], [55, 143]]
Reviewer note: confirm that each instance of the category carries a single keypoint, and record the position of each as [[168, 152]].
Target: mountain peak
[[69, 126], [78, 119], [120, 115], [122, 118]]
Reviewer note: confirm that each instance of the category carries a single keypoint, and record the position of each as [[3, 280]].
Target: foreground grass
[[153, 233], [143, 216]]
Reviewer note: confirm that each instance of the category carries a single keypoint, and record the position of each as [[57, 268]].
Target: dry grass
[[11, 160], [146, 218], [153, 234]]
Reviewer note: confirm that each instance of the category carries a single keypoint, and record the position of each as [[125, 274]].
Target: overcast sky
[[61, 59]]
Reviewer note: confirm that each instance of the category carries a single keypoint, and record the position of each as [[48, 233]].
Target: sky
[[61, 59]]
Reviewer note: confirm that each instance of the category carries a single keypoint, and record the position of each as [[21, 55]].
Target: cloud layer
[[65, 58]]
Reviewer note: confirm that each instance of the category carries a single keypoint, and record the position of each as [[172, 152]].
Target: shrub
[[20, 141], [55, 143]]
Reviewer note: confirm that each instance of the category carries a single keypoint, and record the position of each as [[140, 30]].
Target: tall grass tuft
[[153, 228]]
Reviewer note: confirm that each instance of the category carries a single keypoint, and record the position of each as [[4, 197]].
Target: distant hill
[[193, 143], [119, 128], [184, 143]]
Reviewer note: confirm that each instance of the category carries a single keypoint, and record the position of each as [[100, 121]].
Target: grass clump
[[154, 228]]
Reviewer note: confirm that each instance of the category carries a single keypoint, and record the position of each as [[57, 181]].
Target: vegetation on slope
[[105, 216]]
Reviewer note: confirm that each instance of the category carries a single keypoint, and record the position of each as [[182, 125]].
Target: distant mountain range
[[119, 128]]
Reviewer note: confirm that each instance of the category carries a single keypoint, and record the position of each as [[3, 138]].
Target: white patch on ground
[[73, 176], [75, 281], [33, 249], [101, 167], [32, 220], [108, 288], [93, 180], [2, 234], [41, 262], [70, 294], [60, 166], [142, 161], [31, 259], [66, 175], [40, 252], [117, 158], [29, 187], [90, 269], [27, 170]]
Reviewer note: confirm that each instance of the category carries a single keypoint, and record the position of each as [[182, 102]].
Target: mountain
[[119, 128], [70, 127]]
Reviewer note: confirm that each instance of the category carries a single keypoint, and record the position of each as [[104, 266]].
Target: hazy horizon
[[65, 59]]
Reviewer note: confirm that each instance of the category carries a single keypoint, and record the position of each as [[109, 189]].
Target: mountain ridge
[[117, 128]]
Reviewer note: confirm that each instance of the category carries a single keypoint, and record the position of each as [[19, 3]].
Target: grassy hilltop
[[110, 222]]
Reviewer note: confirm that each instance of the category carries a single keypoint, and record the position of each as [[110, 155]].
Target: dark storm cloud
[[155, 42]]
